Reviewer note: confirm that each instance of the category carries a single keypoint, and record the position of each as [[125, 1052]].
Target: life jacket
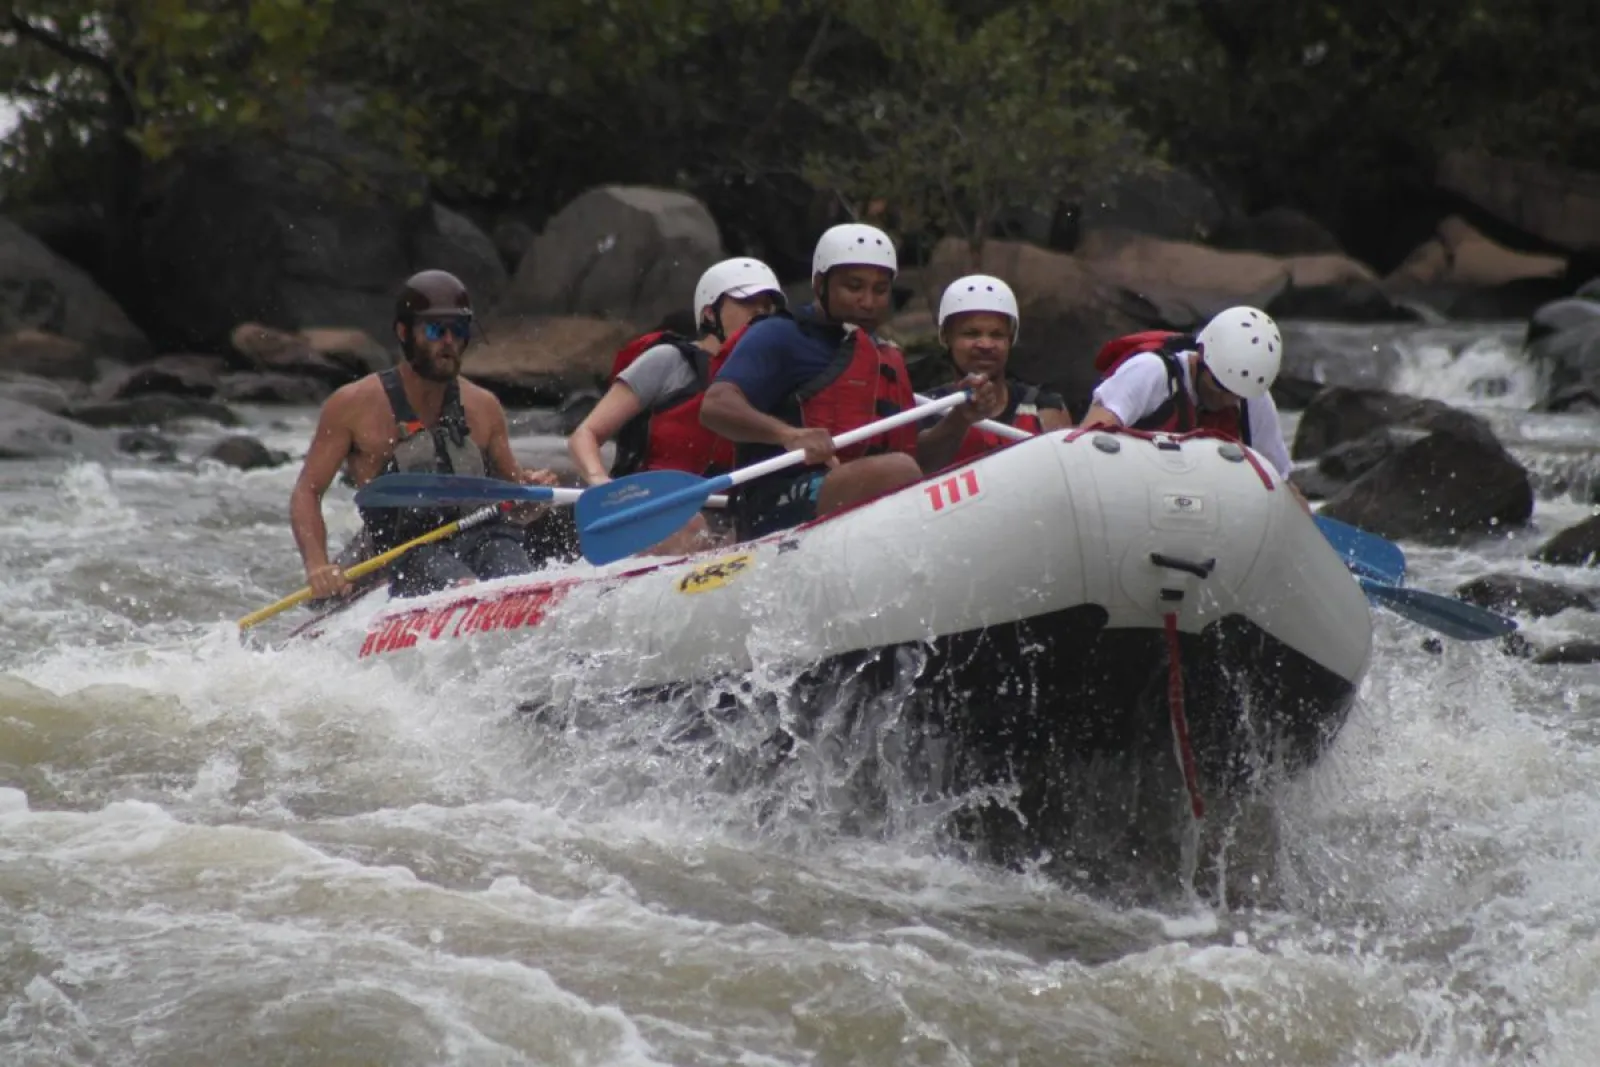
[[866, 381], [1178, 413], [446, 449], [668, 435], [1022, 412]]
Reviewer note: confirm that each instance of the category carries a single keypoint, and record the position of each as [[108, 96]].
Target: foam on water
[[215, 852]]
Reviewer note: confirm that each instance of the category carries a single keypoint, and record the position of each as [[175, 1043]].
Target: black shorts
[[777, 502]]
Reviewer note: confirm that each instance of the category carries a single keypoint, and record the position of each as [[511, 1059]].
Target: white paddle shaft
[[845, 440]]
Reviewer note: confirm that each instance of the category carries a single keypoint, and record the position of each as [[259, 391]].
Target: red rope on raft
[[1180, 723]]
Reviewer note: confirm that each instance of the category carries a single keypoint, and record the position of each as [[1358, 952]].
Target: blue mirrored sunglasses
[[435, 329]]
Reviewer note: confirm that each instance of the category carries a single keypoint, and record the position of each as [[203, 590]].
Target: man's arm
[[937, 446], [330, 446], [1099, 415]]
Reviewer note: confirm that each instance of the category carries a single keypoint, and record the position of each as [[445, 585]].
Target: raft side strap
[[1180, 722]]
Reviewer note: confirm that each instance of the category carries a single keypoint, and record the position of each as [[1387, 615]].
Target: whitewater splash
[[219, 853]]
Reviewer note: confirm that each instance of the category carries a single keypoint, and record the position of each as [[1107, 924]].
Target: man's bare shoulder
[[475, 395], [353, 398]]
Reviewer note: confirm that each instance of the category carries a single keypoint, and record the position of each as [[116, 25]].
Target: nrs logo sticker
[[1182, 504], [946, 493], [716, 574]]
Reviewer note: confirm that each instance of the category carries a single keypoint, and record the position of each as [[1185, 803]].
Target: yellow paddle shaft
[[449, 529]]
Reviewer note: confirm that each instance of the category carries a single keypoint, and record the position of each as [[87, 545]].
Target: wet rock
[[1278, 231], [29, 433], [1339, 414], [1559, 316], [1569, 652], [575, 408], [41, 291], [1313, 484], [41, 393], [512, 238], [1520, 595], [456, 244], [1443, 489], [269, 388], [152, 409], [1334, 287], [314, 228], [537, 362], [1568, 361], [149, 444], [46, 355], [1558, 205], [1576, 546], [175, 375], [337, 356], [1349, 460], [246, 453], [632, 252]]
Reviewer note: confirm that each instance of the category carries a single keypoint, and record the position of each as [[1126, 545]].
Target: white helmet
[[854, 244], [980, 292], [1243, 348], [739, 278]]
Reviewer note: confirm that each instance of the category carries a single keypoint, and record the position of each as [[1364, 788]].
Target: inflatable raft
[[1070, 597]]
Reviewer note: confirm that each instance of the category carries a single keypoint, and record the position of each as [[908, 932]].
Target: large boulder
[[1558, 316], [1558, 205], [1443, 489], [1179, 283], [1067, 312], [46, 355], [1160, 201], [316, 229], [1564, 344], [1522, 595], [41, 291], [542, 360], [1470, 276], [337, 356], [1576, 546], [629, 252], [177, 375], [28, 433], [46, 394], [455, 243], [1338, 415], [1279, 231]]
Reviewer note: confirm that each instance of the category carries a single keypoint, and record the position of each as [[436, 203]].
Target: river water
[[223, 853]]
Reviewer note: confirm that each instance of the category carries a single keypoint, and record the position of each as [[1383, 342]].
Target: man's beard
[[428, 367]]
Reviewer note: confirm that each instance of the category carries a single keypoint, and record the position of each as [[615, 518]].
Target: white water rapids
[[214, 853]]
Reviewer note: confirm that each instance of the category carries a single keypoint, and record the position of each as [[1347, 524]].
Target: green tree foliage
[[973, 116], [951, 111], [96, 75]]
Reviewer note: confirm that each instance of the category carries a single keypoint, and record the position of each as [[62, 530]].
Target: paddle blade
[[1366, 554], [447, 490], [1451, 617], [637, 511]]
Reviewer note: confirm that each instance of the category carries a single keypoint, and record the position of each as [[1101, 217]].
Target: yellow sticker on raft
[[716, 574]]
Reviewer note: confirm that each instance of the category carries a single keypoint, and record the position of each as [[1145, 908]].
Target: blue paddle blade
[[632, 513], [1366, 554], [1451, 617], [443, 490]]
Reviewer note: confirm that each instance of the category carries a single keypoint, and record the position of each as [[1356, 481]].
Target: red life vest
[[865, 382], [1178, 413], [668, 435], [1023, 413]]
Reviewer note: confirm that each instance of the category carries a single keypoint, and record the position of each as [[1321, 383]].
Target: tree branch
[[76, 53]]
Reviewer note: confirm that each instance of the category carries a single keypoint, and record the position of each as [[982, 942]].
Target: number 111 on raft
[[946, 493]]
